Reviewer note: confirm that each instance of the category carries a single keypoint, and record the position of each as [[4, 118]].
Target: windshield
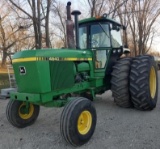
[[100, 36]]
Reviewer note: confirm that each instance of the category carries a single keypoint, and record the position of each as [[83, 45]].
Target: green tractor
[[72, 77]]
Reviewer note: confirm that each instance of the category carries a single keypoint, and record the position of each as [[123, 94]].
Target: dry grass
[[3, 70]]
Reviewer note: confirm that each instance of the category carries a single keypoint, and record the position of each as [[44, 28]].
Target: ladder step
[[11, 76]]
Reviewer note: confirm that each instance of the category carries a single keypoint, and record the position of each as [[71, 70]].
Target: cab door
[[101, 45]]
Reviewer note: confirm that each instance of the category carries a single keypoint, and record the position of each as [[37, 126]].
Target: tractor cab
[[99, 33], [102, 36]]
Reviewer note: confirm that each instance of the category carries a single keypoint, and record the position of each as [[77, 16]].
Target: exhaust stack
[[69, 28]]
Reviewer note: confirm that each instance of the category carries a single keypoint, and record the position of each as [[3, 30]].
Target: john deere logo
[[22, 70]]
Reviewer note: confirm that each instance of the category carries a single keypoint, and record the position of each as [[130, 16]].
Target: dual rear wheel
[[135, 82]]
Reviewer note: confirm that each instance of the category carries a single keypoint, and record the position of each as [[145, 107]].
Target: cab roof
[[97, 19]]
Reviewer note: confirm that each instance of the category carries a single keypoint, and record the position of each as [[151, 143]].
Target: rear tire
[[120, 82], [144, 82], [78, 121]]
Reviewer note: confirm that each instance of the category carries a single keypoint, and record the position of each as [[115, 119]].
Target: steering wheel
[[94, 43]]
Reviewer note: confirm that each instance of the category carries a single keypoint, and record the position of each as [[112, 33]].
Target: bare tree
[[139, 16], [39, 13], [97, 7], [10, 32], [142, 16], [9, 39], [59, 12], [47, 22]]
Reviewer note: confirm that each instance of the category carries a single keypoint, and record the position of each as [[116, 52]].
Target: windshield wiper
[[103, 29]]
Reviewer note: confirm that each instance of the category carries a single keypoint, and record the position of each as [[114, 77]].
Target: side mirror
[[116, 27]]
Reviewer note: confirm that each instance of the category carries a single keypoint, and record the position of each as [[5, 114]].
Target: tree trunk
[[39, 24], [34, 19], [47, 23], [4, 57]]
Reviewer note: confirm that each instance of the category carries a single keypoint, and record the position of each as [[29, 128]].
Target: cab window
[[116, 36], [100, 58], [83, 37], [100, 36]]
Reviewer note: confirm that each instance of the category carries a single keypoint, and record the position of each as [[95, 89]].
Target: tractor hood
[[46, 70], [52, 55]]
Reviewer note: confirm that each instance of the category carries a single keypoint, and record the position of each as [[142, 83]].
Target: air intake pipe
[[76, 13]]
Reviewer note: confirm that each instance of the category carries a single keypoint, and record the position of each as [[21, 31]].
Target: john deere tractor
[[72, 77]]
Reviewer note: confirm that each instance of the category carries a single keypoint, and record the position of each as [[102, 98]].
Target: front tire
[[78, 121], [19, 115], [144, 82]]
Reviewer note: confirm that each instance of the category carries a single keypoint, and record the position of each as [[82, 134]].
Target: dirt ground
[[117, 128]]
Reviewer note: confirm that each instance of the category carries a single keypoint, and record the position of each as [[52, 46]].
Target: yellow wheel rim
[[152, 82], [84, 122], [22, 112]]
